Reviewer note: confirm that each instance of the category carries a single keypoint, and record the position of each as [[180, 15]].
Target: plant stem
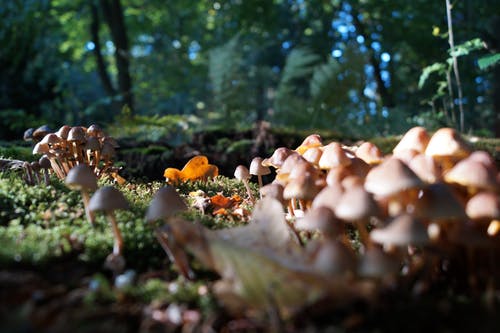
[[455, 64]]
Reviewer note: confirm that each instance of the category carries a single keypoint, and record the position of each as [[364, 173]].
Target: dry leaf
[[197, 168]]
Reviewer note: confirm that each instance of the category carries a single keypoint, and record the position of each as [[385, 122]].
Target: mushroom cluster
[[71, 146], [429, 204]]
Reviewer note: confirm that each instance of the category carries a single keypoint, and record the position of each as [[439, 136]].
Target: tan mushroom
[[369, 153], [165, 204], [108, 199], [402, 231], [82, 178], [447, 147], [473, 176], [257, 169], [278, 157], [333, 156], [415, 138], [357, 206], [395, 183], [45, 165], [241, 173]]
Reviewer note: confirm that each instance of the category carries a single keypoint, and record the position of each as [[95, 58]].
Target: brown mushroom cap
[[356, 204], [302, 188], [425, 168], [63, 131], [166, 202], [256, 167], [437, 203], [94, 131], [273, 190], [40, 132], [108, 199], [415, 138], [278, 157], [323, 219], [329, 196], [369, 153], [333, 156], [311, 141], [483, 206], [391, 177], [402, 231], [447, 142], [81, 177], [473, 175], [76, 134]]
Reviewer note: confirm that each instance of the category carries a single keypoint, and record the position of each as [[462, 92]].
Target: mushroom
[[394, 182], [273, 190], [369, 153], [278, 157], [356, 206], [166, 203], [402, 231], [472, 175], [109, 199], [415, 138], [333, 156], [76, 139], [81, 177], [256, 168], [311, 141], [242, 173], [447, 147], [45, 165], [40, 132]]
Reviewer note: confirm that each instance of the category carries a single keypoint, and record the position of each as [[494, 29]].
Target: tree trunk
[[113, 14], [385, 95]]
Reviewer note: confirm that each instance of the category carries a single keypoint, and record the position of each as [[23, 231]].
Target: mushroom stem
[[259, 180], [88, 213], [249, 191], [118, 245], [29, 175], [46, 177]]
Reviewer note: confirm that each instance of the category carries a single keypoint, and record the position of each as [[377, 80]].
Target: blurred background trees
[[362, 68]]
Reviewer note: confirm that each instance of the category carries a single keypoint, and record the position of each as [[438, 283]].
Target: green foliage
[[488, 61], [172, 129]]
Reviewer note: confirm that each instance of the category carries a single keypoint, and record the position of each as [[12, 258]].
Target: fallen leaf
[[197, 168]]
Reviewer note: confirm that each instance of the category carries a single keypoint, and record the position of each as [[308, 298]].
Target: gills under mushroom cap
[[108, 199]]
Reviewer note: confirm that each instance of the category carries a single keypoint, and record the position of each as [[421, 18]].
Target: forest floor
[[57, 283]]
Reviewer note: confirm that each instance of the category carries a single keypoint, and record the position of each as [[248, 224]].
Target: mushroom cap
[[28, 134], [41, 148], [312, 140], [333, 257], [76, 134], [329, 196], [333, 156], [45, 162], [108, 150], [402, 231], [94, 131], [108, 199], [447, 142], [369, 153], [63, 132], [166, 202], [472, 174], [313, 155], [484, 158], [415, 138], [241, 173], [40, 132], [51, 139], [93, 143], [356, 204], [273, 190], [426, 168], [375, 263], [437, 203], [81, 176], [391, 177], [278, 157], [483, 206], [256, 167], [302, 188], [321, 218]]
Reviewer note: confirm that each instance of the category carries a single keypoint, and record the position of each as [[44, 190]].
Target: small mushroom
[[257, 169], [109, 199], [45, 165], [166, 203], [81, 177], [242, 173]]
